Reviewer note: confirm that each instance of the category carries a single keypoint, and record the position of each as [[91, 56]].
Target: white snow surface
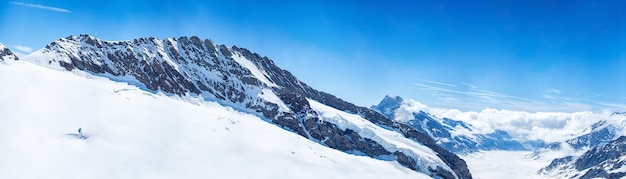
[[390, 140], [135, 134], [243, 61], [270, 96], [42, 57], [505, 164]]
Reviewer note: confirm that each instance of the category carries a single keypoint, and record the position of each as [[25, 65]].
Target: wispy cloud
[[438, 83], [470, 85], [475, 92], [39, 6], [476, 98], [554, 91], [23, 48]]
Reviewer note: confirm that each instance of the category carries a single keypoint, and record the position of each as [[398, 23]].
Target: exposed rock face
[[441, 129], [236, 77], [606, 161], [6, 54]]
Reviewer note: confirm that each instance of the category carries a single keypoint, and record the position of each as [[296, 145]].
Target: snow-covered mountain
[[607, 161], [247, 82], [134, 134], [599, 133], [569, 141], [6, 54], [597, 152], [454, 135]]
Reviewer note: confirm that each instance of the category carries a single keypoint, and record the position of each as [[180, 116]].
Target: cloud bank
[[521, 125]]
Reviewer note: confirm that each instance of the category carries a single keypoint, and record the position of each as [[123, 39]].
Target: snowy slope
[[135, 134], [391, 140], [243, 80]]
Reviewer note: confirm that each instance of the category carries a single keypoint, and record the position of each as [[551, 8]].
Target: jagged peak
[[6, 53], [396, 98], [390, 101], [388, 106], [195, 40], [72, 43]]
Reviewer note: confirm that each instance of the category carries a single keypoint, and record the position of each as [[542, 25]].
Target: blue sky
[[519, 55]]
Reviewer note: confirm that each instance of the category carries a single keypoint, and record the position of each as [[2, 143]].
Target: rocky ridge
[[233, 76]]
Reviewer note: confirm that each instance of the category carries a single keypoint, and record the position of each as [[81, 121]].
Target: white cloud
[[546, 126], [39, 6], [22, 48], [520, 124]]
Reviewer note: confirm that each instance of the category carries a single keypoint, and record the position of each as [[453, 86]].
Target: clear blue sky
[[521, 55]]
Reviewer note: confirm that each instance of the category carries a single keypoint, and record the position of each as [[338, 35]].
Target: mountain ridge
[[240, 78]]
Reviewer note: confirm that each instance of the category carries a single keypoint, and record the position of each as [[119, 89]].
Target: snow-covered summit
[[6, 54], [248, 82]]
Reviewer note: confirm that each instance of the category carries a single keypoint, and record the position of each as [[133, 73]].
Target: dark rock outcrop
[[6, 54]]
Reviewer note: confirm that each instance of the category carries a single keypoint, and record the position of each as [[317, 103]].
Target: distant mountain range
[[456, 136]]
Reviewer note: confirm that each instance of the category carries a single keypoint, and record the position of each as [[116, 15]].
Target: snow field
[[135, 134]]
